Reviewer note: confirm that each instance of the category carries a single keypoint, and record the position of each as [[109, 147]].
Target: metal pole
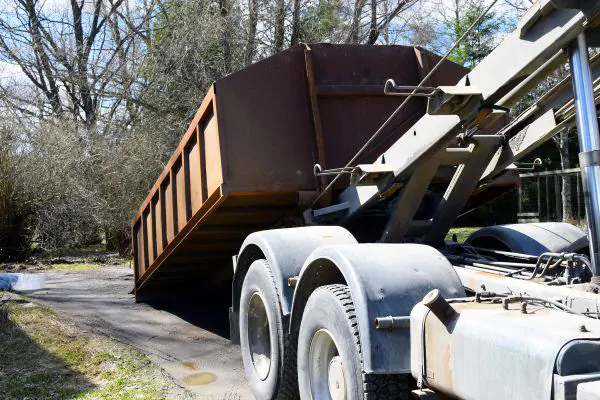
[[547, 199], [557, 202], [539, 200], [589, 143], [578, 181], [520, 202]]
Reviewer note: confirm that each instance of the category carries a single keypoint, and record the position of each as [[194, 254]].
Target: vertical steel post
[[589, 143]]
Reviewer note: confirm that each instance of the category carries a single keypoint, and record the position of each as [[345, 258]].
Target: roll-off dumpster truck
[[320, 185]]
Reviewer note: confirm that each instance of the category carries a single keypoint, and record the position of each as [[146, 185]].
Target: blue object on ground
[[22, 282], [7, 281]]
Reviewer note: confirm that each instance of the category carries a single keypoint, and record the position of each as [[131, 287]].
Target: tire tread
[[376, 386], [288, 380]]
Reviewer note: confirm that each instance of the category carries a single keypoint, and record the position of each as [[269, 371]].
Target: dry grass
[[46, 357]]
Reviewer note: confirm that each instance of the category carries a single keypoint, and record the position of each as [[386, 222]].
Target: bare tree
[[252, 25], [295, 39], [381, 22], [379, 17], [77, 57], [354, 32], [279, 25], [562, 141]]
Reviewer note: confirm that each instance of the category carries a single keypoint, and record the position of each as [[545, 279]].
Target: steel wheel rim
[[259, 336], [325, 368]]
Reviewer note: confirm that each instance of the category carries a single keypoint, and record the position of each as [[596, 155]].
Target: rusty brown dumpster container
[[246, 161]]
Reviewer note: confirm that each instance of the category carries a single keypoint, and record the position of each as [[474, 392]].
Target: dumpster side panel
[[179, 193], [264, 120]]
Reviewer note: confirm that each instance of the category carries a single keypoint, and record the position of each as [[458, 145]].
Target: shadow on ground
[[27, 370], [210, 313]]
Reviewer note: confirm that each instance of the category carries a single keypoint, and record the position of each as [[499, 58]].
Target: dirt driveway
[[189, 344]]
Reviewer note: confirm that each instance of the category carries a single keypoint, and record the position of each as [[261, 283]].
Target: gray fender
[[384, 280], [534, 239], [285, 250]]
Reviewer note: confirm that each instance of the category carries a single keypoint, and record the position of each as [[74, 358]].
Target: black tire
[[280, 382], [331, 309]]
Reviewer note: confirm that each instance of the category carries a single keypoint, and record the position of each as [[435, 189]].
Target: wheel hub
[[326, 368], [336, 379], [259, 337]]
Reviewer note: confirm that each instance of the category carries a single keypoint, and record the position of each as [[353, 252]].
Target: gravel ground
[[188, 344]]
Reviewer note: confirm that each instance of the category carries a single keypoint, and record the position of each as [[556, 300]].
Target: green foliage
[[319, 21], [482, 39], [461, 233]]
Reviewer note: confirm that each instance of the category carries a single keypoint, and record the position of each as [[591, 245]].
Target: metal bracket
[[524, 166], [407, 91], [334, 209], [370, 174], [461, 186], [319, 171], [450, 100], [424, 394]]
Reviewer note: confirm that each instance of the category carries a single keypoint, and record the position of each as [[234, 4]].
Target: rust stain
[[487, 274], [200, 378], [440, 353], [189, 364]]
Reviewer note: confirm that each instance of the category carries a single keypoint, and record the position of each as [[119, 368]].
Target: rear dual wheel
[[269, 362], [330, 367]]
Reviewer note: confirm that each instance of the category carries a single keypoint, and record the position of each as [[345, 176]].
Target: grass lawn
[[461, 233], [44, 356], [60, 267], [75, 267]]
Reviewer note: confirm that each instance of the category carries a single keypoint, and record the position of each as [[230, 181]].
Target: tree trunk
[[386, 29], [353, 36], [279, 25], [252, 22], [224, 6], [373, 30], [563, 149], [296, 23]]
